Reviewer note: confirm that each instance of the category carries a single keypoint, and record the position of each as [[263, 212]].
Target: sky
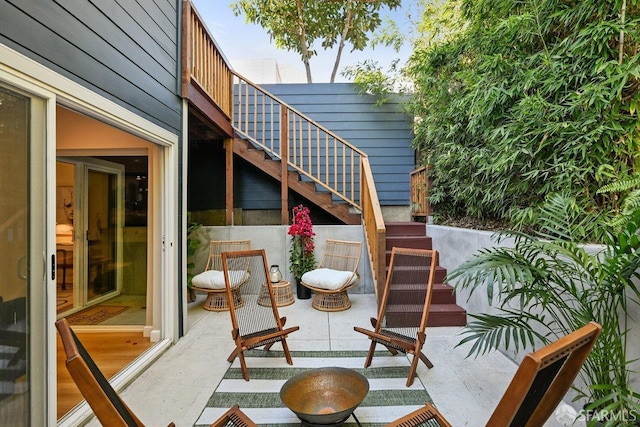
[[241, 41]]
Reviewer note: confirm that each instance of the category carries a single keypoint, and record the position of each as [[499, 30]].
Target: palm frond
[[501, 267], [621, 185], [490, 332]]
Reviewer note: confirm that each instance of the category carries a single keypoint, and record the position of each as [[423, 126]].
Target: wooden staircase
[[307, 189], [443, 311]]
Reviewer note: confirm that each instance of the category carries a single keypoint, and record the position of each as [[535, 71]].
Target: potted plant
[[192, 246], [548, 285], [301, 255]]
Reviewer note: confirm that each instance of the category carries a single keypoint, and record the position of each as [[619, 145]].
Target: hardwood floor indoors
[[111, 351]]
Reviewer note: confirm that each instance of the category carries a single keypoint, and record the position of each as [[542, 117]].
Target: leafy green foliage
[[192, 247], [626, 195], [438, 21], [300, 25], [528, 98], [544, 288], [373, 80]]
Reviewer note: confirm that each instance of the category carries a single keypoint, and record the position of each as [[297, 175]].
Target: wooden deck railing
[[203, 62], [420, 187], [315, 152], [374, 228]]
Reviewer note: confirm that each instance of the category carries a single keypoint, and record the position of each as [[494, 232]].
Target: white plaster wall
[[456, 245], [276, 242]]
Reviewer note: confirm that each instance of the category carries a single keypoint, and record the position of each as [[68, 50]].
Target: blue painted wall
[[125, 50], [384, 133]]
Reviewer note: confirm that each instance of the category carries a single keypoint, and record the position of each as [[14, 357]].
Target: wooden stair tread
[[421, 286], [260, 159], [417, 308], [441, 308]]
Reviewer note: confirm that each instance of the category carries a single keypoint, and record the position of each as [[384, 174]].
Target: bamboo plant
[[547, 285]]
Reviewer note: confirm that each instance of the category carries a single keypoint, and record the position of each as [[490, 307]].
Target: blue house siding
[[384, 133], [124, 50]]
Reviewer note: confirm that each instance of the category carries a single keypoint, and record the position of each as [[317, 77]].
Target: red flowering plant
[[302, 258]]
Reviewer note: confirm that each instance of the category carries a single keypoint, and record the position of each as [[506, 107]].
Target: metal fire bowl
[[324, 395]]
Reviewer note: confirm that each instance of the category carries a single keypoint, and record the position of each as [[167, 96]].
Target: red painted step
[[414, 242], [441, 294], [406, 229], [446, 315], [443, 310], [400, 315]]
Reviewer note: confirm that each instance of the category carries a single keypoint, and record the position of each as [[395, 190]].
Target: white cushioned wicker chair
[[336, 273], [211, 280]]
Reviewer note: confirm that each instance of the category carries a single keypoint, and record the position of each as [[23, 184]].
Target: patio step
[[406, 229], [441, 294], [443, 310], [413, 242], [401, 315], [446, 315]]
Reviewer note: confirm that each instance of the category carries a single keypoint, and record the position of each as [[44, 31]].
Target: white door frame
[[39, 245], [22, 72]]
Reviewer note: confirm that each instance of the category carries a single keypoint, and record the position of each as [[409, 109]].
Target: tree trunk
[[343, 37], [303, 42]]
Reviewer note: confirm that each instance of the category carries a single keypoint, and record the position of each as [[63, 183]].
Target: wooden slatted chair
[[399, 327], [427, 416], [254, 325], [337, 272], [211, 280], [234, 417], [106, 404], [108, 407], [537, 388]]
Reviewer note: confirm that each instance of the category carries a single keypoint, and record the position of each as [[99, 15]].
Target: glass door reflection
[[89, 223], [104, 228], [21, 237]]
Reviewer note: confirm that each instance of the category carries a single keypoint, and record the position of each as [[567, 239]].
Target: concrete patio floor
[[177, 386]]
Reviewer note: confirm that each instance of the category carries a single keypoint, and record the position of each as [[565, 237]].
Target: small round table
[[282, 291]]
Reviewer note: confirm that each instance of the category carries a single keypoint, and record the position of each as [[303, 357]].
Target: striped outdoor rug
[[387, 400]]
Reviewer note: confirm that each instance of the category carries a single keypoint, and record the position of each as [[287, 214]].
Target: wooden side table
[[282, 291]]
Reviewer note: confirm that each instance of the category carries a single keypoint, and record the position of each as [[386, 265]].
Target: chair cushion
[[327, 278], [214, 279]]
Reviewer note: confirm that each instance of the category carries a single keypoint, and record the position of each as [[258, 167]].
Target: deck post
[[284, 164], [228, 149]]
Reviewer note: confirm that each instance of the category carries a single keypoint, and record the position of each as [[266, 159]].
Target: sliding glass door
[[89, 227], [104, 231], [22, 265]]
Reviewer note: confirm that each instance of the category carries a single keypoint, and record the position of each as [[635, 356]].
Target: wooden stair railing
[[286, 134], [374, 228], [420, 187], [203, 64]]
